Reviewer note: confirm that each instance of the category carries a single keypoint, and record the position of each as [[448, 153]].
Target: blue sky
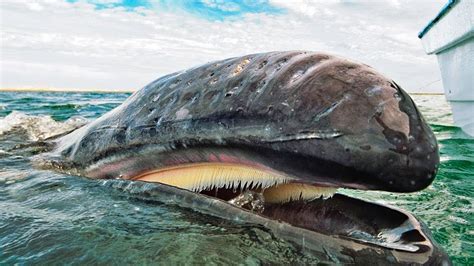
[[207, 9], [124, 44], [220, 10], [128, 4]]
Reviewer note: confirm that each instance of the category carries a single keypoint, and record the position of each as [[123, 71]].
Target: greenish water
[[51, 218]]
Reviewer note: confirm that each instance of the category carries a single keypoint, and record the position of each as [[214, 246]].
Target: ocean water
[[51, 218]]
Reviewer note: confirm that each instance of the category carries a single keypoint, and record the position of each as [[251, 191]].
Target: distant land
[[27, 89], [128, 90]]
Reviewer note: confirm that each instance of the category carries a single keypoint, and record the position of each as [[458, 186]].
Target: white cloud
[[35, 6], [58, 44], [222, 5]]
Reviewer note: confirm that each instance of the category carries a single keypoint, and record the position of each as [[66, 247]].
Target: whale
[[269, 139]]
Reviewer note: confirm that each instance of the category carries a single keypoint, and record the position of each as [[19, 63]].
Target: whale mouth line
[[285, 198], [228, 180]]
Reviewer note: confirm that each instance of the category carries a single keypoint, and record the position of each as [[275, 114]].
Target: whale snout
[[383, 141], [417, 158], [406, 148], [411, 172]]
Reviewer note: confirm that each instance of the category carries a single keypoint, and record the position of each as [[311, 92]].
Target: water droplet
[[296, 75], [156, 98], [231, 91], [195, 98], [250, 200], [379, 110], [375, 90], [397, 96], [182, 113], [175, 83]]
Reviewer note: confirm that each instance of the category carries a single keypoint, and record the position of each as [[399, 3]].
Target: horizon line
[[28, 89]]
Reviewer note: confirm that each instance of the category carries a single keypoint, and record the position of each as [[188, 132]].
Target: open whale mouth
[[282, 197], [271, 137], [226, 181]]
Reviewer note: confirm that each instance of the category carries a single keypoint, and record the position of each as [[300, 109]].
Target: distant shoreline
[[127, 90], [65, 90], [425, 93]]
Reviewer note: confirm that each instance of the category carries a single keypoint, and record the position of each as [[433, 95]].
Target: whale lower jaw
[[281, 197]]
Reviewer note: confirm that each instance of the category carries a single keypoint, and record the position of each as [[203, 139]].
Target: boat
[[450, 35]]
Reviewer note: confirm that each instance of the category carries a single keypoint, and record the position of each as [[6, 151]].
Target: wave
[[37, 128]]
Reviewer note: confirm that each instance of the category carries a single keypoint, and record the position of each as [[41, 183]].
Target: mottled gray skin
[[347, 124], [321, 119]]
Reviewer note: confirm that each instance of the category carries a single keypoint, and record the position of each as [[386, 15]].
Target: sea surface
[[51, 218]]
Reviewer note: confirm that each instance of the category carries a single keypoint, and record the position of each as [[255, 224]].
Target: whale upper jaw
[[319, 117]]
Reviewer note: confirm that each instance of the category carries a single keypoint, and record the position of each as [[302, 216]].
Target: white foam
[[37, 127]]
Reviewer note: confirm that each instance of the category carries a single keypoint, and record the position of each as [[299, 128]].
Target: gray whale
[[291, 127]]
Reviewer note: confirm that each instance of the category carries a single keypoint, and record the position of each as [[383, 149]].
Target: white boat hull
[[451, 37]]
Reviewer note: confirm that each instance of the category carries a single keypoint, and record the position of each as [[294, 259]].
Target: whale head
[[279, 132]]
